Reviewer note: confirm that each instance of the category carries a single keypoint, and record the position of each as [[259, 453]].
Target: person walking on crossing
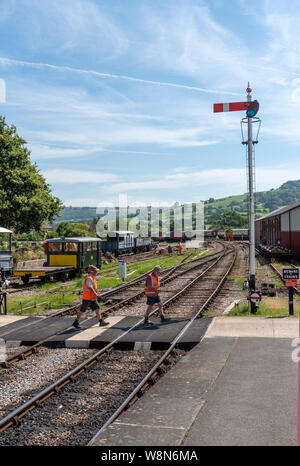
[[152, 291], [90, 297]]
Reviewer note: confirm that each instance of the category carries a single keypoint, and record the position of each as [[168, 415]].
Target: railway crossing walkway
[[58, 332], [238, 386]]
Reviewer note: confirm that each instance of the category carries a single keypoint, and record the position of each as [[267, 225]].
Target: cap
[[157, 267], [92, 269]]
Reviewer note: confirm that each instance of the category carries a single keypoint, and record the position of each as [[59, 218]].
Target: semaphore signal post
[[251, 108]]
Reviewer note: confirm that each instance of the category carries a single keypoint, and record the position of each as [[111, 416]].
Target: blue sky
[[116, 96]]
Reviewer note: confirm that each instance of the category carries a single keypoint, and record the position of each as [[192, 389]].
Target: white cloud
[[110, 134], [8, 61], [42, 152], [66, 176], [226, 181], [64, 27], [2, 91]]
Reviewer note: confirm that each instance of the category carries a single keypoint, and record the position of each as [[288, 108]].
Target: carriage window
[[86, 246], [94, 246], [71, 247], [55, 247]]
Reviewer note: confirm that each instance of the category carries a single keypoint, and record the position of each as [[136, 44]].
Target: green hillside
[[266, 201]]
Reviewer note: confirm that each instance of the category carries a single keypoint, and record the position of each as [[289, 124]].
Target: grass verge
[[268, 307]]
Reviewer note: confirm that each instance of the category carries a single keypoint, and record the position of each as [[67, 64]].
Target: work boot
[[164, 319], [76, 324], [147, 321], [102, 323]]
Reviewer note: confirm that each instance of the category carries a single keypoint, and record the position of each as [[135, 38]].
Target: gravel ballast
[[73, 416]]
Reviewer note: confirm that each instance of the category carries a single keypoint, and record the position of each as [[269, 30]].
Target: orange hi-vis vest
[[154, 282], [87, 294]]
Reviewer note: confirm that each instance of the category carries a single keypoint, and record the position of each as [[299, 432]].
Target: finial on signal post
[[249, 90]]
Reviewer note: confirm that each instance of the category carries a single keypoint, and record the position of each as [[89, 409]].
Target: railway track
[[121, 302], [92, 362], [117, 293]]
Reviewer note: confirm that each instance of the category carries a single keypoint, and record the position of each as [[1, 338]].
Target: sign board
[[290, 274], [231, 107], [122, 269], [255, 297], [290, 283]]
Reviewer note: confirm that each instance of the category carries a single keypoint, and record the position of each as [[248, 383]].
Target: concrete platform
[[228, 390], [59, 332], [263, 327]]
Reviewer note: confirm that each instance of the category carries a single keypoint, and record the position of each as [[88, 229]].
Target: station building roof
[[5, 230], [280, 211]]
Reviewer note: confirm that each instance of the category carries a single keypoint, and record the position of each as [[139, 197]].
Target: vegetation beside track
[[268, 307]]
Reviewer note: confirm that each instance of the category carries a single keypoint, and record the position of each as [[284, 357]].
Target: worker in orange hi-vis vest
[[90, 297], [152, 291], [180, 247]]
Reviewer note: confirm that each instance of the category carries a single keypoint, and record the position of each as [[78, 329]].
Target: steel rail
[[34, 348], [132, 282], [138, 391], [15, 416], [140, 293]]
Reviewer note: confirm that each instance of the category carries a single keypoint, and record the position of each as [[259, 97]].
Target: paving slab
[[254, 400], [129, 435], [8, 319], [264, 327]]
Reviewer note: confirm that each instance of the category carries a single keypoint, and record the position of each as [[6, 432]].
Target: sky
[[115, 98]]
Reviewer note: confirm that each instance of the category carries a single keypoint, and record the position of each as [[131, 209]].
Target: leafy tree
[[26, 199], [73, 229], [230, 219]]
